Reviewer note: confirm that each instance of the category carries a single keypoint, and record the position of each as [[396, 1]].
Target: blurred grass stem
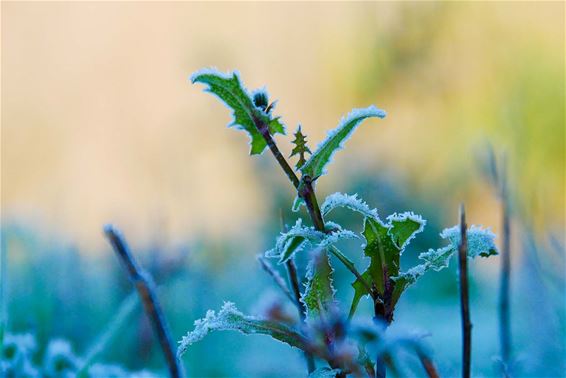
[[146, 290]]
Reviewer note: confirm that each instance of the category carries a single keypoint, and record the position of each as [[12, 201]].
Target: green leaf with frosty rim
[[315, 166], [246, 115], [319, 291], [481, 242], [299, 236], [230, 319], [385, 243]]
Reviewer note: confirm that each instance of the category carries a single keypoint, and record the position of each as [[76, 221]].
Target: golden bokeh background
[[100, 123]]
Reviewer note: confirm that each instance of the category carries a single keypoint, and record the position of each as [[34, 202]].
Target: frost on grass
[[351, 202], [316, 164], [230, 318], [246, 115], [481, 242]]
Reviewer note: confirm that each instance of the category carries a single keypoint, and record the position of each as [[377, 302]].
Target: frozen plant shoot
[[334, 344]]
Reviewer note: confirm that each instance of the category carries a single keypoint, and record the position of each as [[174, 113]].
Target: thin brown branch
[[146, 290], [428, 365], [464, 296], [277, 278]]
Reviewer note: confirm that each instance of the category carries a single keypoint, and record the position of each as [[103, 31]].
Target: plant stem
[[464, 296], [263, 128], [294, 279], [277, 278], [504, 305], [428, 365], [146, 290]]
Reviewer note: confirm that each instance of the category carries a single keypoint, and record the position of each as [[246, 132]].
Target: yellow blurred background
[[100, 123]]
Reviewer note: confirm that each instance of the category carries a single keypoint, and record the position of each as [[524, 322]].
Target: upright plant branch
[[383, 279], [464, 296], [294, 279], [146, 290]]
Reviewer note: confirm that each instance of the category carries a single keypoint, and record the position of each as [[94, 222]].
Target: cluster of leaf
[[20, 359], [384, 241]]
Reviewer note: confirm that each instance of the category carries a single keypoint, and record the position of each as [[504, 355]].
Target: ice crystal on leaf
[[351, 202], [246, 115], [316, 164], [230, 318], [481, 242]]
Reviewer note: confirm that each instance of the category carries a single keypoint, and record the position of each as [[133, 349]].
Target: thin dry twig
[[464, 296], [279, 281], [504, 293], [146, 290]]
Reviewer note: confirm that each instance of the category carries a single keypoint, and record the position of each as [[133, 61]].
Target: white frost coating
[[215, 72], [297, 203], [481, 242], [335, 237], [403, 217], [284, 241], [357, 115], [209, 323], [324, 372], [351, 202]]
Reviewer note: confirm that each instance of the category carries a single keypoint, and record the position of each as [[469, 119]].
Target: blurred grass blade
[[125, 310]]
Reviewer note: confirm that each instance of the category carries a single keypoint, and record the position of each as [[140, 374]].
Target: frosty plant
[[321, 332]]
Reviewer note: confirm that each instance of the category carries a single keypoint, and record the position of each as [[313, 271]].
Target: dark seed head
[[261, 100]]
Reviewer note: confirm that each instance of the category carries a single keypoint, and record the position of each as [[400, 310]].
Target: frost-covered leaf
[[315, 166], [297, 203], [301, 148], [59, 359], [299, 237], [351, 202], [247, 115], [319, 292], [229, 318], [384, 259], [404, 227], [324, 372], [294, 240], [481, 242]]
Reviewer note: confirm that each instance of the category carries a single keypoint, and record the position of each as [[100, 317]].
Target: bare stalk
[[276, 277], [505, 277], [146, 290], [428, 365], [464, 296]]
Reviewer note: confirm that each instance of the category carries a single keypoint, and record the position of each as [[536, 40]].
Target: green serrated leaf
[[315, 166], [384, 256], [481, 242], [247, 116], [351, 202], [404, 227], [319, 292], [229, 318], [300, 148]]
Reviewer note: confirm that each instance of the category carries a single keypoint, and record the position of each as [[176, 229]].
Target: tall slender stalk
[[505, 276], [464, 296], [146, 290]]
